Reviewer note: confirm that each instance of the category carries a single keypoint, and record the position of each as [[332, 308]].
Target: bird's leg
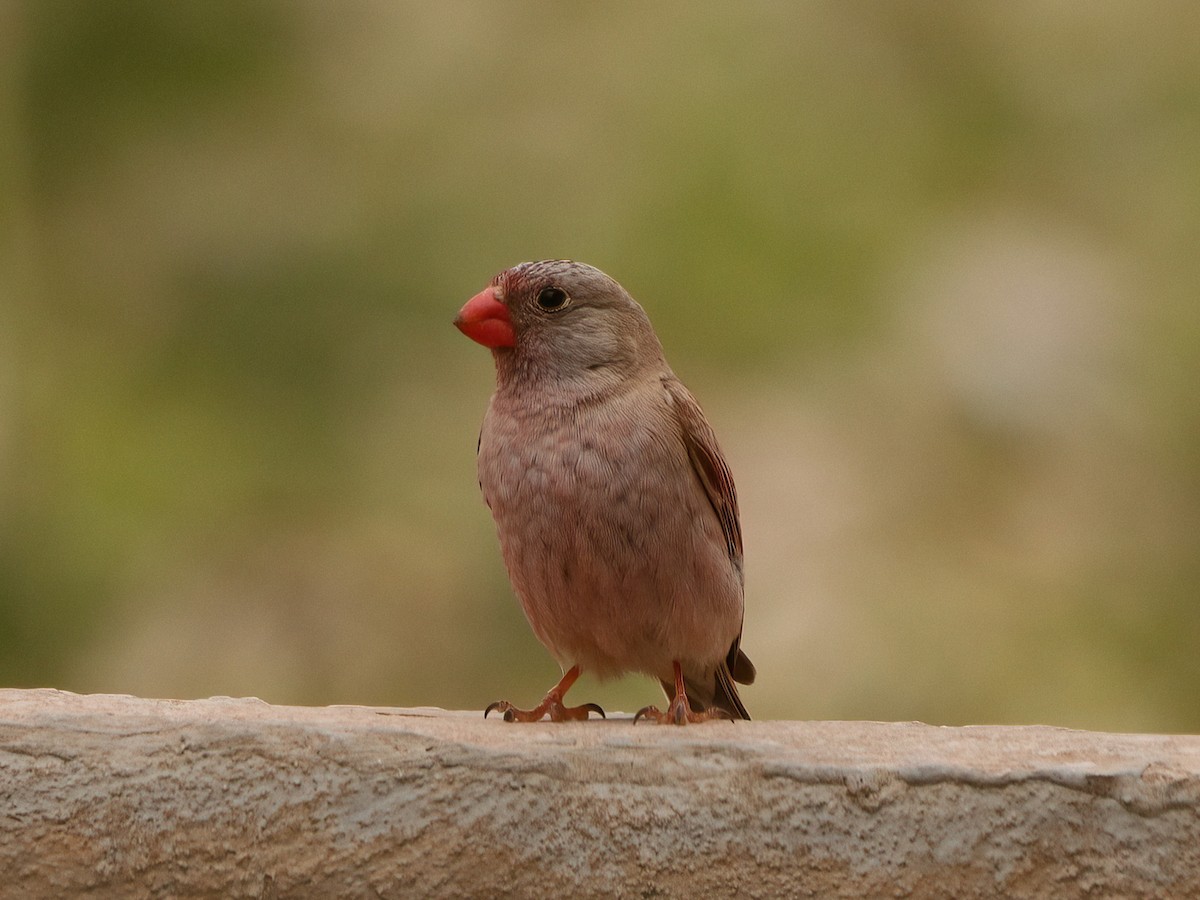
[[679, 711], [551, 704]]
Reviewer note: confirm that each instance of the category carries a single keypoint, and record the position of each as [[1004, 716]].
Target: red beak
[[485, 319]]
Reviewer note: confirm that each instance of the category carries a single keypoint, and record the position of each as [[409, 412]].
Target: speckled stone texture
[[112, 796]]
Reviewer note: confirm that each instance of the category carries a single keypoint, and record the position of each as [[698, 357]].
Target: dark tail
[[726, 696]]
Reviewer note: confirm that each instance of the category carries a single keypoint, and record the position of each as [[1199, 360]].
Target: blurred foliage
[[930, 269]]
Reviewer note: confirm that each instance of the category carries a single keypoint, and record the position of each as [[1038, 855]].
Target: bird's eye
[[552, 299]]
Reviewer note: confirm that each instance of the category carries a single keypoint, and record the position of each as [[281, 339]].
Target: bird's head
[[560, 319]]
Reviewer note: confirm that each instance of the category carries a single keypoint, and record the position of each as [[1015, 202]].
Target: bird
[[616, 512]]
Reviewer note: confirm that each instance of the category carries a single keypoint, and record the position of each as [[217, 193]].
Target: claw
[[594, 707], [492, 707], [647, 712]]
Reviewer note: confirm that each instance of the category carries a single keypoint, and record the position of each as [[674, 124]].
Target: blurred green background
[[931, 269]]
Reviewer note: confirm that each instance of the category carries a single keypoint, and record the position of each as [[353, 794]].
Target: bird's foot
[[679, 711], [551, 705], [679, 714]]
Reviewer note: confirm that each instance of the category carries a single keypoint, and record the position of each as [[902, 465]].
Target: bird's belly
[[613, 550]]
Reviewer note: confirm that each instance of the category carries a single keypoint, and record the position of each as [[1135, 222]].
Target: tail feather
[[726, 694], [740, 667], [736, 668]]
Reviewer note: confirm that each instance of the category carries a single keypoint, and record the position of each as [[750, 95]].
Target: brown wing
[[709, 465], [714, 475]]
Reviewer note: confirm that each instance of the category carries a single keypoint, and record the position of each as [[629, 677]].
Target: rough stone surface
[[119, 796]]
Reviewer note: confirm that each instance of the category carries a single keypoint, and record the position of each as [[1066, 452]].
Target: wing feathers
[[709, 465]]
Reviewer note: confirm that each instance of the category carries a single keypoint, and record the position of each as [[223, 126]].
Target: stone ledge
[[119, 796]]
